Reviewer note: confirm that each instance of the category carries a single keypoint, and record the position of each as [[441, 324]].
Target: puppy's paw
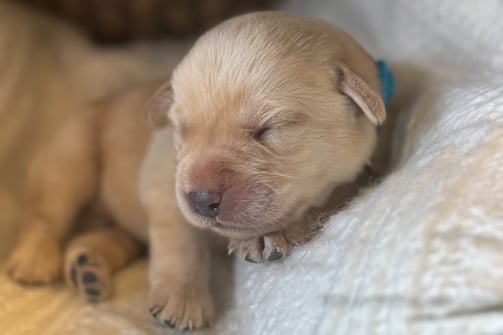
[[183, 308], [268, 248], [36, 259], [87, 272]]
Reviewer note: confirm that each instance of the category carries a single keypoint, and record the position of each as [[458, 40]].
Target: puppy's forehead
[[242, 104], [250, 64]]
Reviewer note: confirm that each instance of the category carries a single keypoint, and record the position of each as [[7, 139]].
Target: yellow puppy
[[263, 118]]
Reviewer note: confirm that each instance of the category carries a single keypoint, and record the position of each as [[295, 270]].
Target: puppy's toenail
[[89, 277], [154, 311], [249, 259], [93, 291], [169, 323], [73, 276], [275, 255], [82, 259]]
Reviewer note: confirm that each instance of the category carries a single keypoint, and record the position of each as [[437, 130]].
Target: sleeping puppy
[[261, 120]]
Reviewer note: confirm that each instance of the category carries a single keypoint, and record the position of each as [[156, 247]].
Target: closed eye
[[258, 135]]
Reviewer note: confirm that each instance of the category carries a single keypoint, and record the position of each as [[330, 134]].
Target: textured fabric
[[419, 253]]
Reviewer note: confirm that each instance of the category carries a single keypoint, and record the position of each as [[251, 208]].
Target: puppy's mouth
[[217, 225], [232, 230], [236, 232]]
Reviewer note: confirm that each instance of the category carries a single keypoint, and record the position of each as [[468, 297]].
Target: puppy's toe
[[251, 250], [88, 273], [276, 246], [184, 308], [36, 260], [269, 248]]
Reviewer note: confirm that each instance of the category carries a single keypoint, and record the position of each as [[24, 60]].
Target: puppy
[[261, 120]]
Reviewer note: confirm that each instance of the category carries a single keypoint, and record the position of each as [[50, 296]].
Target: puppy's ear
[[157, 107], [369, 101]]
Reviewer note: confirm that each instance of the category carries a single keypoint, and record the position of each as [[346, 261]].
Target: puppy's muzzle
[[205, 203]]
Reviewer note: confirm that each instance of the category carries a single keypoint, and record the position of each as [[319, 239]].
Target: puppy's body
[[93, 163], [267, 114]]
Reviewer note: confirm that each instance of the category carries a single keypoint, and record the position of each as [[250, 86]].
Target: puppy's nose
[[205, 203]]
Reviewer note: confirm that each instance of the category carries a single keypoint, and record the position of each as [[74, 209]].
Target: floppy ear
[[369, 101], [157, 107]]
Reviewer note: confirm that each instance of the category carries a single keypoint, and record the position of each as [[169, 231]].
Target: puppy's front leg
[[179, 257], [179, 274]]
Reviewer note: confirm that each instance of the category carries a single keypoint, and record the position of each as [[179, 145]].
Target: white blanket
[[420, 253]]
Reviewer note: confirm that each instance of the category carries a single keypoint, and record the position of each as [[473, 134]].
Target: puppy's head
[[270, 112]]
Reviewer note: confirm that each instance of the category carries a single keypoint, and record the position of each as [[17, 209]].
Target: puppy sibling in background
[[263, 118]]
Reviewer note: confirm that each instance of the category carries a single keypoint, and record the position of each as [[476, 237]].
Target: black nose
[[205, 203]]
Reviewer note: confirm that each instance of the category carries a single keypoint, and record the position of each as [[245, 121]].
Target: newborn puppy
[[260, 121], [270, 113]]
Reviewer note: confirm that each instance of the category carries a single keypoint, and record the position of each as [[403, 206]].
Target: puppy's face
[[261, 136]]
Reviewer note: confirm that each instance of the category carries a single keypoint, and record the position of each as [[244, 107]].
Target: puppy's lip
[[239, 232], [233, 232], [224, 227], [214, 223], [230, 230]]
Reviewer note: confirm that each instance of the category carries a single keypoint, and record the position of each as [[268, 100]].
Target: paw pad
[[90, 276]]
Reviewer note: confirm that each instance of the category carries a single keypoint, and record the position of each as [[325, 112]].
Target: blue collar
[[387, 81]]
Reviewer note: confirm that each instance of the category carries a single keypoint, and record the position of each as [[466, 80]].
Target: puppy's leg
[[179, 275], [61, 179], [92, 258], [179, 255]]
